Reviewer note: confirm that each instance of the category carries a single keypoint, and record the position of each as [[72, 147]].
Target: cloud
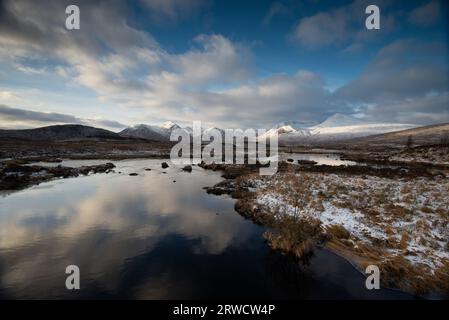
[[214, 79], [14, 117], [353, 48], [276, 9], [322, 29], [413, 89], [174, 10], [340, 26], [425, 15], [427, 109], [9, 96]]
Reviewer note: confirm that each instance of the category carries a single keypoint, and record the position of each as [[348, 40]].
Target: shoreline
[[401, 274], [239, 184]]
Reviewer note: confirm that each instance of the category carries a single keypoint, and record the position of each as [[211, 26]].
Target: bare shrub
[[293, 236]]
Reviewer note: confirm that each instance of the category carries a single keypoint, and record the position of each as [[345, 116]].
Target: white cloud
[[414, 90], [340, 26], [21, 118], [213, 80]]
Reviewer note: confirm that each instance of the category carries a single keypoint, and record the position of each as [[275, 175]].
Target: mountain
[[288, 130], [433, 134], [143, 131], [60, 132], [341, 127], [339, 120], [336, 127], [160, 133], [151, 132]]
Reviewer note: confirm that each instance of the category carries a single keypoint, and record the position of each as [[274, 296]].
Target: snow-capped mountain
[[151, 132], [160, 133], [336, 127], [339, 126], [338, 120], [288, 130]]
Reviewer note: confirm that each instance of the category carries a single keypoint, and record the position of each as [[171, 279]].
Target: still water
[[148, 237], [329, 159]]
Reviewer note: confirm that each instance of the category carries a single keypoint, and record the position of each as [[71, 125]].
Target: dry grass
[[400, 223], [338, 232], [405, 212], [293, 236]]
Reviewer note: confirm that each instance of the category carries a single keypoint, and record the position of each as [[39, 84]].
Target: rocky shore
[[16, 174]]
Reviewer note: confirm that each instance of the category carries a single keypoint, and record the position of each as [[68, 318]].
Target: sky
[[231, 64]]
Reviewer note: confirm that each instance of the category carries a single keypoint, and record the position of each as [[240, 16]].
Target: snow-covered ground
[[403, 217]]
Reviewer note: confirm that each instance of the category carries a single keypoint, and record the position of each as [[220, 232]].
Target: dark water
[[147, 237]]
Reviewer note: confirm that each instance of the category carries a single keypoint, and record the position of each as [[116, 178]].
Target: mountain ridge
[[59, 132]]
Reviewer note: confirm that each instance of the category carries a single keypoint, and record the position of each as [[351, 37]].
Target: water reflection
[[147, 237]]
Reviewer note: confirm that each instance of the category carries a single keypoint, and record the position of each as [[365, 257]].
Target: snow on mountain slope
[[339, 126], [170, 125], [160, 133], [287, 130], [151, 132], [339, 120], [143, 131], [336, 127], [361, 130]]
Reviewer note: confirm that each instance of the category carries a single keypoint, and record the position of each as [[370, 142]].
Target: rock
[[307, 162], [290, 160], [133, 174], [14, 176], [187, 168], [164, 165], [147, 169]]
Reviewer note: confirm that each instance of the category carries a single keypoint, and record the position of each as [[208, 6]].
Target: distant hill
[[151, 132], [60, 132], [427, 135]]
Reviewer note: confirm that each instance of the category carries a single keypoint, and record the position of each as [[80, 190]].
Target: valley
[[370, 200]]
